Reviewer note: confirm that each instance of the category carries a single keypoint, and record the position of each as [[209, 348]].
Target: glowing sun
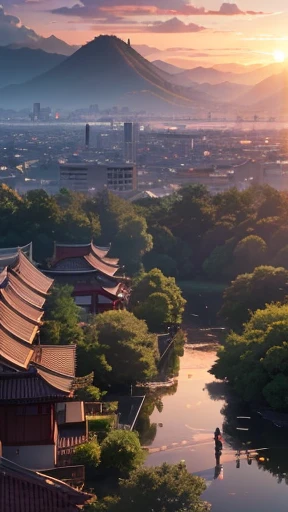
[[279, 56]]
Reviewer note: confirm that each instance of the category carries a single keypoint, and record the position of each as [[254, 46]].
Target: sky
[[203, 31]]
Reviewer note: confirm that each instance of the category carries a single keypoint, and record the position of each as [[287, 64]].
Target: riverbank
[[179, 423]]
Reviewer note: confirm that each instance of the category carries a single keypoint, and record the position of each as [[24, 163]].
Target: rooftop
[[23, 489]]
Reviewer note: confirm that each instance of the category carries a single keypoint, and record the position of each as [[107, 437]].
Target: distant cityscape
[[138, 158]]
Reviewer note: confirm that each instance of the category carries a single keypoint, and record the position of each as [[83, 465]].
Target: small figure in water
[[217, 434]]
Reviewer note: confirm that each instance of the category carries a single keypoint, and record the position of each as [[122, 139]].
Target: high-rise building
[[87, 135], [36, 111], [129, 143]]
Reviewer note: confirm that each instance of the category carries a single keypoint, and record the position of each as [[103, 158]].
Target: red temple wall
[[27, 424]]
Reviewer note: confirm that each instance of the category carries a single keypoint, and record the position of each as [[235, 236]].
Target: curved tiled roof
[[26, 490], [101, 253], [14, 351], [18, 304], [26, 293], [20, 386], [16, 325], [100, 265], [58, 358], [32, 276], [57, 381], [72, 264]]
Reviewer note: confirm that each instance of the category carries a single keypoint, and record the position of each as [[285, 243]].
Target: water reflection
[[147, 430], [179, 423]]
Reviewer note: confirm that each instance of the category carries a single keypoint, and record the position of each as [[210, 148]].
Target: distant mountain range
[[48, 44], [20, 65], [168, 68], [14, 33], [106, 71]]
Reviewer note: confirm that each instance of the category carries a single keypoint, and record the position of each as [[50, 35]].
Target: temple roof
[[24, 489], [28, 295], [32, 276], [16, 302], [82, 258], [33, 386], [15, 324], [58, 358], [9, 256], [13, 351]]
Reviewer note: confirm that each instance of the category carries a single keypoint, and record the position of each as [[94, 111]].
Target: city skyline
[[186, 33]]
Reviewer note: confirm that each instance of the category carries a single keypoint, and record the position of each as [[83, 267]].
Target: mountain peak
[[107, 71]]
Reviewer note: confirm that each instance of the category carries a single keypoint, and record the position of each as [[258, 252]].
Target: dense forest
[[238, 238], [187, 234]]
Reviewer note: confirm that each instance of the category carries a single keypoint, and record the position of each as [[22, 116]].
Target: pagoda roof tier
[[83, 258], [97, 251], [24, 489], [9, 256], [31, 276], [33, 386], [58, 358], [27, 294], [62, 251], [14, 351], [20, 306], [18, 326]]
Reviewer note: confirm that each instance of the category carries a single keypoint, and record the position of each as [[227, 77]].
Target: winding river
[[178, 424]]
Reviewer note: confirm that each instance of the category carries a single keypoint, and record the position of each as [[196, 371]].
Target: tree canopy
[[256, 362], [157, 299], [166, 488], [62, 317], [121, 450], [119, 349], [180, 234], [249, 292]]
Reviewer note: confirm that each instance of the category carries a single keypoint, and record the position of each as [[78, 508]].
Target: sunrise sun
[[279, 56]]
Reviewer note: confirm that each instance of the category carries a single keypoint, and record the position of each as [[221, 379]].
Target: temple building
[[98, 287], [36, 382], [23, 490]]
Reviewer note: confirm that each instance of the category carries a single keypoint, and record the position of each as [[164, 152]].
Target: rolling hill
[[20, 65], [106, 71], [168, 68]]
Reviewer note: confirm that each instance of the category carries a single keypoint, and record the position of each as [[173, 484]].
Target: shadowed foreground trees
[[166, 488], [256, 362], [252, 291]]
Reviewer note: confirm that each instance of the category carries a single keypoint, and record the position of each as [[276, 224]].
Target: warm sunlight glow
[[279, 56]]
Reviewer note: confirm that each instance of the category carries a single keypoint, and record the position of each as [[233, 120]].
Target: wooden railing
[[66, 447]]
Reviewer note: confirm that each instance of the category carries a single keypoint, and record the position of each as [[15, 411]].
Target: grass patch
[[101, 423]]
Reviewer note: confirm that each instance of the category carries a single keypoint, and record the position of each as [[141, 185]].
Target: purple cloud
[[106, 9]]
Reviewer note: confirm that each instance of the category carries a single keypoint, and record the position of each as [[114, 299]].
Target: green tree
[[62, 317], [256, 362], [249, 253], [218, 264], [155, 311], [132, 242], [88, 455], [121, 451], [252, 291], [128, 348], [88, 394], [155, 282], [166, 488]]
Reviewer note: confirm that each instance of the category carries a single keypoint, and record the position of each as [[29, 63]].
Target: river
[[181, 427]]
